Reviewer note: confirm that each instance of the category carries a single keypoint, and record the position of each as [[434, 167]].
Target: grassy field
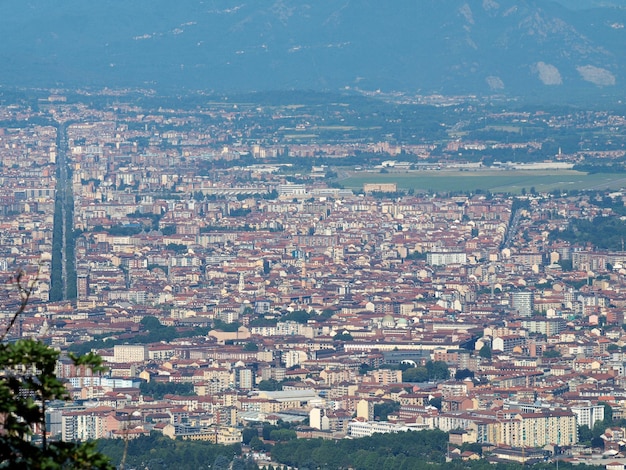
[[495, 181]]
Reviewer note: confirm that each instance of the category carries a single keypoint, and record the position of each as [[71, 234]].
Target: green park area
[[494, 181]]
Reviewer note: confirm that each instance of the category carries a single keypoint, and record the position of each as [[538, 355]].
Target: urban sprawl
[[264, 292]]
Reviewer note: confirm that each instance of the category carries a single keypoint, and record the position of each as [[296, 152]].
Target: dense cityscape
[[238, 266]]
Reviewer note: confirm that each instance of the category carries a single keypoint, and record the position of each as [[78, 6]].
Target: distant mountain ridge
[[588, 4], [425, 46]]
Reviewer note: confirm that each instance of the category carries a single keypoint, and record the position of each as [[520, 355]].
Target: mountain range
[[517, 48]]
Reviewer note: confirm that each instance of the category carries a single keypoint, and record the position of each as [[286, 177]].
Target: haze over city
[[308, 235]]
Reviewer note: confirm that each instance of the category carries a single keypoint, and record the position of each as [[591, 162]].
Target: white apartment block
[[516, 430], [82, 426], [445, 258], [358, 429], [587, 415], [129, 353]]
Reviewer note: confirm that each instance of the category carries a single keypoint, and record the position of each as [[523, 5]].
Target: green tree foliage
[[262, 321], [436, 402], [343, 337], [383, 410], [176, 247], [602, 232], [415, 374], [240, 212], [221, 462], [159, 389], [268, 429], [269, 385], [282, 435], [463, 374], [585, 434], [298, 316], [243, 463], [485, 352], [168, 230], [248, 434], [258, 445], [70, 257], [595, 167], [154, 333], [603, 200], [56, 274], [423, 450], [149, 220], [598, 429], [566, 265], [552, 353], [593, 434], [158, 452], [437, 370], [223, 326], [433, 370], [250, 346], [151, 323], [27, 384], [125, 230], [326, 314], [267, 267], [405, 450]]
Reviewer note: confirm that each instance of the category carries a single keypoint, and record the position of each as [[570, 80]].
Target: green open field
[[495, 181]]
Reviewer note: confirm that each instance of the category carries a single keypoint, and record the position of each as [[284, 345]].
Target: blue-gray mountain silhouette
[[423, 46]]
